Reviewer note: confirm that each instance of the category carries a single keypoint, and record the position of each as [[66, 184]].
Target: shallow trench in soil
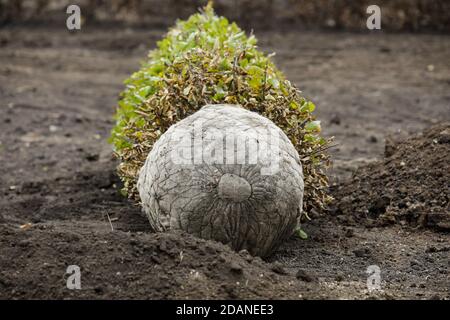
[[59, 188]]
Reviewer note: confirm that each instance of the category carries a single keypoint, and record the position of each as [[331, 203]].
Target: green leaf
[[308, 107], [293, 105], [302, 234], [313, 126]]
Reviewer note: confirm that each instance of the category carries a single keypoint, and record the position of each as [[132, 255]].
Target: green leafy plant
[[205, 60]]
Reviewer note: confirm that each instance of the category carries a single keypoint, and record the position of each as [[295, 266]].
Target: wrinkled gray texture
[[231, 203]]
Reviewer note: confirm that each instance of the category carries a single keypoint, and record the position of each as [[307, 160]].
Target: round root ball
[[227, 174]]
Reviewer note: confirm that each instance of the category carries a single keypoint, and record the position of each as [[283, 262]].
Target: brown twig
[[320, 150], [110, 223]]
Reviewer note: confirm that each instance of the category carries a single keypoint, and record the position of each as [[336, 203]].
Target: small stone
[[53, 128], [379, 206], [414, 263], [305, 276], [244, 253], [230, 290], [339, 278], [235, 268], [155, 259], [163, 246], [278, 268], [361, 252], [92, 157], [444, 136], [24, 243], [98, 290], [431, 249], [349, 232], [335, 119]]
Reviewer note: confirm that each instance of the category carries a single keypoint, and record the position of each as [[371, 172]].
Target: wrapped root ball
[[226, 174]]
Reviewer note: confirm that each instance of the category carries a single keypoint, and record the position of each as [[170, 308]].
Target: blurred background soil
[[384, 95], [400, 15]]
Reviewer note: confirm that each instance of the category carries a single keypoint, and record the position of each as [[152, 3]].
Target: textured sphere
[[227, 174]]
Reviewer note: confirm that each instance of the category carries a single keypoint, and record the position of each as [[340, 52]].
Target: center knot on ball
[[234, 188]]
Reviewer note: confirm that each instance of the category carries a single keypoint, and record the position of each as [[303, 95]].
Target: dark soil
[[410, 186], [60, 203], [131, 265]]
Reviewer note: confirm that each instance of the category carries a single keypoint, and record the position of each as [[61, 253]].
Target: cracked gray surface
[[240, 202]]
